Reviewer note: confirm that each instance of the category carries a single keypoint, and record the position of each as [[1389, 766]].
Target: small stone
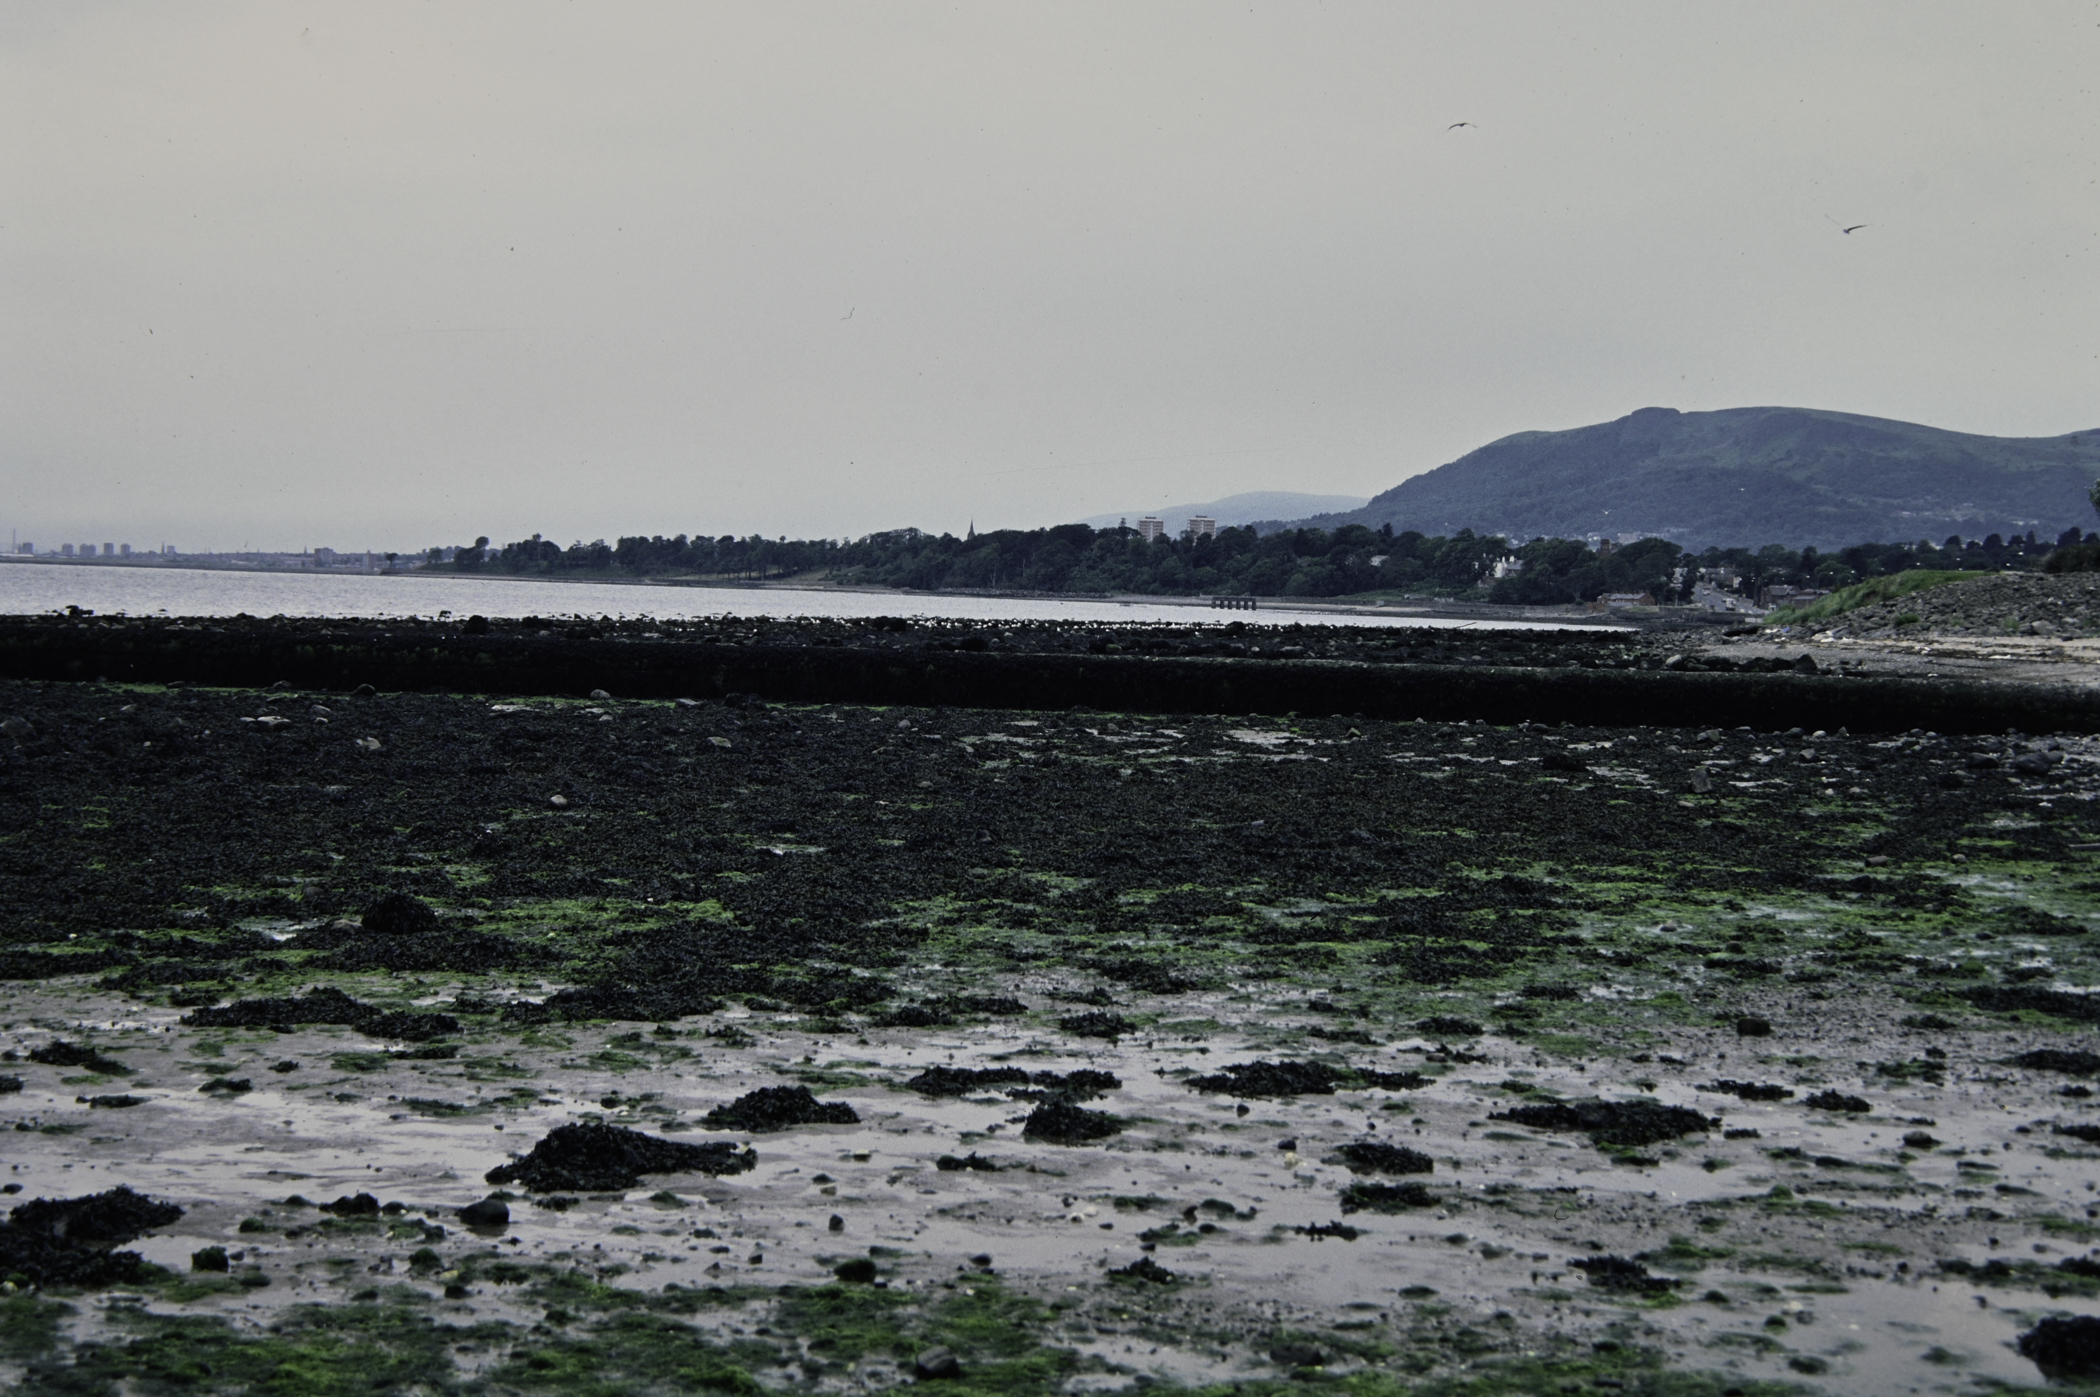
[[1701, 783], [1297, 1356], [17, 728], [837, 1223], [489, 1212], [1751, 1026], [936, 1363], [600, 694], [858, 1271], [209, 1259], [557, 801]]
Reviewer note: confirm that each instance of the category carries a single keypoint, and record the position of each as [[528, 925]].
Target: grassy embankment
[[1867, 593]]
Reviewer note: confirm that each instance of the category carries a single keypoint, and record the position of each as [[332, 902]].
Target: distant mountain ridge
[[1747, 476], [1235, 510]]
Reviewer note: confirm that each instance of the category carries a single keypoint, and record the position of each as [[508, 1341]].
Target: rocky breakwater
[[313, 669]]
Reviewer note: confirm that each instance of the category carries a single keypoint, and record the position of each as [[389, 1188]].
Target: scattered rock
[[1753, 1027], [606, 1158], [489, 1212], [1298, 1356], [353, 1205], [935, 1364], [2064, 1346], [858, 1270], [210, 1259], [779, 1108], [114, 1103], [1444, 1025], [971, 1162], [228, 1086], [1837, 1101]]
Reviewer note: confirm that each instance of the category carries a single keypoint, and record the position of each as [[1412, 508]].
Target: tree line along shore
[[1303, 562]]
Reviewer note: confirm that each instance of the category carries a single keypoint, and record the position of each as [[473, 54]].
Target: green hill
[[1750, 475]]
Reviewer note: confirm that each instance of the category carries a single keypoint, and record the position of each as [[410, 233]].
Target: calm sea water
[[40, 588]]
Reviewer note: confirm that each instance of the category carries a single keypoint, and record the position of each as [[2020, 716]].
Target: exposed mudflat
[[1037, 1051]]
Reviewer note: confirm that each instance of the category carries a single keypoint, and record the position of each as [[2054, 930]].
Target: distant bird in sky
[[849, 314], [1456, 124], [1843, 229]]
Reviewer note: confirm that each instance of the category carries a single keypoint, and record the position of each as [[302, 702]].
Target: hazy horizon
[[399, 275]]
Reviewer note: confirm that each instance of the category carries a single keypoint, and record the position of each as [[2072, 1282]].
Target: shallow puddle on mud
[[1804, 1276]]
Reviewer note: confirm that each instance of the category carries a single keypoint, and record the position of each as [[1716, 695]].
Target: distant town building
[[28, 548], [1509, 567], [123, 550], [1202, 526], [1770, 597], [65, 550], [109, 550], [1150, 528], [87, 550], [324, 557]]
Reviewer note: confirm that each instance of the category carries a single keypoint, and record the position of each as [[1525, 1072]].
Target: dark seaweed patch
[[326, 1005], [1375, 1157], [2070, 1061], [1620, 1274], [60, 1053], [1080, 1085], [779, 1108], [1096, 1023], [601, 1158], [1837, 1101], [2009, 999], [1386, 1198], [1062, 1123], [1624, 1124], [1749, 1091], [63, 1241], [1271, 1079]]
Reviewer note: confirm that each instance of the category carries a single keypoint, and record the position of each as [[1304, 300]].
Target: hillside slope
[[1749, 476]]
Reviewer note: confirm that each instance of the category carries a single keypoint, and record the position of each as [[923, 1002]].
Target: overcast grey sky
[[387, 275]]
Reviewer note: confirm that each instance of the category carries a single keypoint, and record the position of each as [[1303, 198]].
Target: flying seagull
[[1843, 229], [1456, 124], [849, 314]]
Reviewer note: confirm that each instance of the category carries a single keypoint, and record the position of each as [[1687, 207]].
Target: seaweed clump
[[1625, 1124], [66, 1241], [1618, 1273], [779, 1108], [1372, 1157], [1061, 1122], [1386, 1198], [326, 1005], [1079, 1085], [606, 1158]]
